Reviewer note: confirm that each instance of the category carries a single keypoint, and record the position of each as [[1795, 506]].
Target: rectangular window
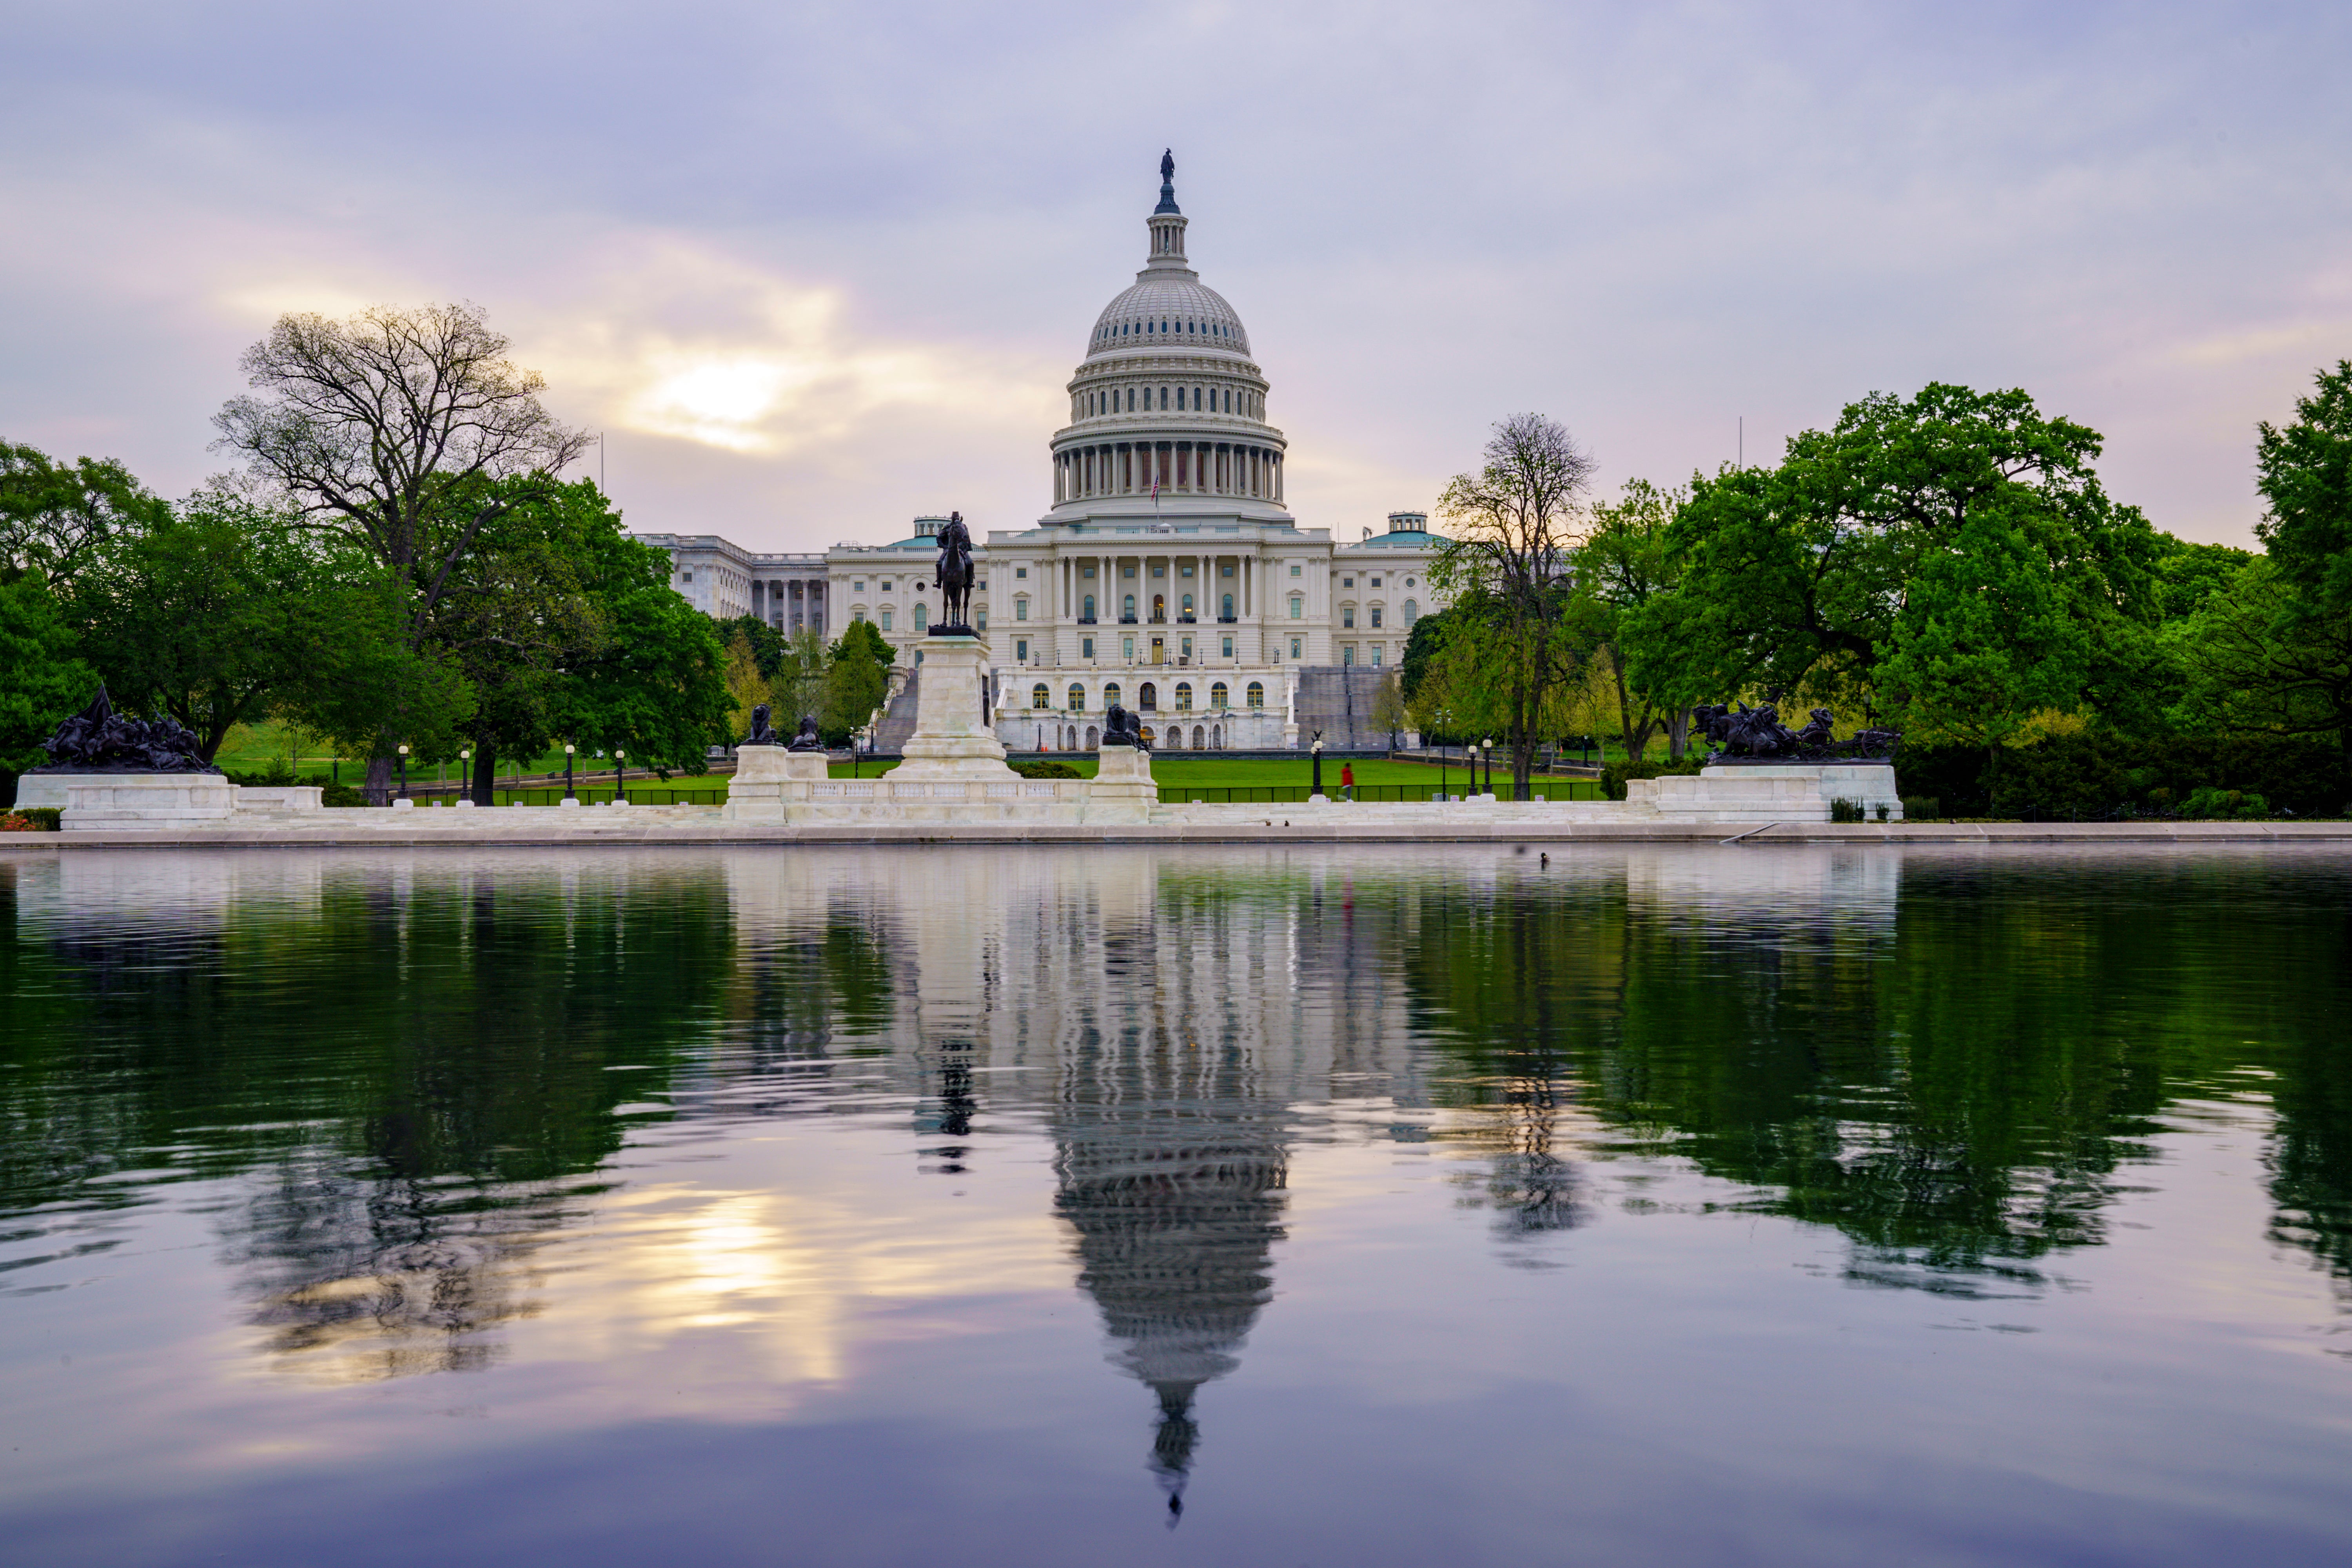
[[858, 586], [1020, 609], [1294, 569], [1298, 609], [1229, 648], [1347, 582], [979, 621], [1294, 648], [1376, 582], [1348, 654], [886, 620], [1021, 652], [1085, 648], [1020, 572], [1127, 649], [1348, 616], [1085, 570], [1376, 655], [1376, 614]]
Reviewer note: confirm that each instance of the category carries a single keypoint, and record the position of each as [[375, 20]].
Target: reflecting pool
[[1796, 1204]]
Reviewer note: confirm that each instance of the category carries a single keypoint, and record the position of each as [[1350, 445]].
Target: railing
[[639, 795], [1186, 621], [1228, 620], [1085, 620], [1126, 620]]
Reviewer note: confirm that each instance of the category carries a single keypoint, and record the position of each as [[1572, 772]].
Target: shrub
[[33, 819], [1613, 776], [2210, 800], [1921, 807], [342, 795], [1845, 811], [1046, 771]]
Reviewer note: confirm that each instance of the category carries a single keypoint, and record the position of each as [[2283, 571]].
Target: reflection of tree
[[419, 1077], [1956, 1089], [1171, 1165]]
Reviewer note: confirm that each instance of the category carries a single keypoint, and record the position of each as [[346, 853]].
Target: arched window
[[1163, 397], [1183, 697], [1147, 697], [1175, 741], [1089, 611], [1094, 738], [1196, 400], [1039, 697], [1188, 604], [1159, 606], [1411, 610], [1078, 698], [1126, 610], [1110, 694], [1199, 735], [1256, 694], [1148, 738]]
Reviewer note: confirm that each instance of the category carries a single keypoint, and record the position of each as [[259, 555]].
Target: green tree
[[856, 679], [1963, 536], [767, 642], [1625, 566], [2304, 469], [213, 614], [739, 672], [2260, 659], [52, 513], [1388, 706], [392, 428], [40, 679], [1505, 569], [653, 683]]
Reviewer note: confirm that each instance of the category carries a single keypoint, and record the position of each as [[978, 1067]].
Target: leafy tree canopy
[[2305, 472], [52, 513]]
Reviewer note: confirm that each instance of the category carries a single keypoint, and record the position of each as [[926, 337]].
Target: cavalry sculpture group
[[98, 740], [1739, 733]]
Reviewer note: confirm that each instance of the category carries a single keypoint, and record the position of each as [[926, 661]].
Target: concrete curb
[[1319, 826]]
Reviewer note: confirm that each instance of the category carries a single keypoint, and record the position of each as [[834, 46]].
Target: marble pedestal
[[49, 789], [954, 740], [107, 802], [1122, 790], [1754, 794], [768, 780]]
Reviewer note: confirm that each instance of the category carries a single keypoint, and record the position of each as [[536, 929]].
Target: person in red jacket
[[1348, 780]]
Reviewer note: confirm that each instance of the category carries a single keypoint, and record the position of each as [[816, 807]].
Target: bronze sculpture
[[1121, 728], [98, 740], [762, 733], [1743, 734], [954, 574], [806, 739]]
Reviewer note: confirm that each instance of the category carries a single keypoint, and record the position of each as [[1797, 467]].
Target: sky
[[815, 269]]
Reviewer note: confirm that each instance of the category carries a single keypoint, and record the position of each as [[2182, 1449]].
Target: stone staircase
[[1338, 700], [898, 724]]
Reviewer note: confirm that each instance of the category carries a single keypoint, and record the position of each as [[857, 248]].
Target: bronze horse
[[954, 574]]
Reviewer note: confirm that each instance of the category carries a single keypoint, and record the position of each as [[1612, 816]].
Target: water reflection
[[423, 1070]]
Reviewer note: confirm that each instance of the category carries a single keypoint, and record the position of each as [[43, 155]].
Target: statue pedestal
[[1122, 790], [1757, 793], [108, 801], [768, 779], [40, 789], [954, 740]]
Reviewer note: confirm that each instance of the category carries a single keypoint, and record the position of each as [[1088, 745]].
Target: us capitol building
[[1168, 574]]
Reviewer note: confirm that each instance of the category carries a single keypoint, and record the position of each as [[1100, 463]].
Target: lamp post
[[1445, 719], [1488, 746], [465, 774], [620, 776], [404, 770], [568, 749], [1317, 749]]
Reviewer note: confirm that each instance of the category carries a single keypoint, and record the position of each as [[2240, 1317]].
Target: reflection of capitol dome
[[1171, 1170]]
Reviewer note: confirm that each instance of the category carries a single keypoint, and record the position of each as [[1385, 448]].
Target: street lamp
[[404, 770], [1317, 749], [1444, 720], [567, 772], [465, 774], [1488, 746], [620, 776]]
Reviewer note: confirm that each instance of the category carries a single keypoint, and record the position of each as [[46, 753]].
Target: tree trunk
[[379, 780], [1678, 734], [486, 774]]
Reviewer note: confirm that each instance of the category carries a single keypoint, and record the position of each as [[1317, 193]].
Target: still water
[[1038, 1206]]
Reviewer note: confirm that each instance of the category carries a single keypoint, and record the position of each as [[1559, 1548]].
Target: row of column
[[1110, 591], [1179, 467], [790, 605]]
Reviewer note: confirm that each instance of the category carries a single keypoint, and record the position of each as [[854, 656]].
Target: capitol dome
[[1166, 409]]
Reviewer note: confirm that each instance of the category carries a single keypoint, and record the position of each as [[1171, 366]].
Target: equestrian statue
[[954, 574]]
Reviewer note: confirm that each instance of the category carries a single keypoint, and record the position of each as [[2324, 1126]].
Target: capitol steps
[[1338, 700], [898, 724]]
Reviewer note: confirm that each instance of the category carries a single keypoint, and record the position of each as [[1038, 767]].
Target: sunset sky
[[815, 269]]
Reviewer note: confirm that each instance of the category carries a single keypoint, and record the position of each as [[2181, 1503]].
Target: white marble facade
[[1168, 566]]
